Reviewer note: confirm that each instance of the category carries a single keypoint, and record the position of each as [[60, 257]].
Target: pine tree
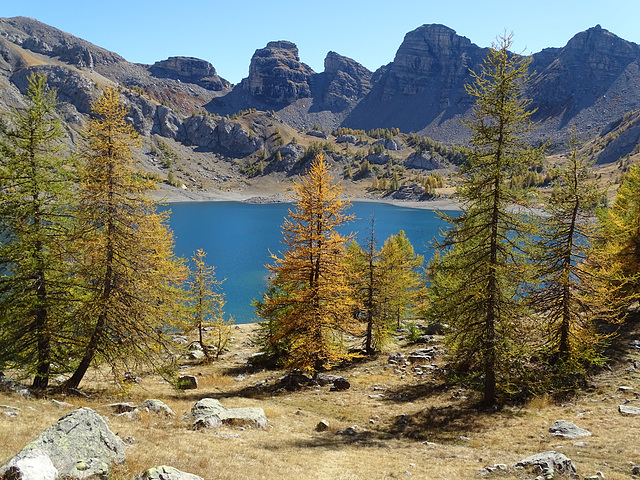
[[567, 299], [207, 306], [125, 252], [308, 302], [35, 279], [477, 276]]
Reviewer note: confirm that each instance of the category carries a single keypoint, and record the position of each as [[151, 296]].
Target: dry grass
[[440, 433]]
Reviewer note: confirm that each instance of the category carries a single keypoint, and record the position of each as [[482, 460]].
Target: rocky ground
[[391, 416]]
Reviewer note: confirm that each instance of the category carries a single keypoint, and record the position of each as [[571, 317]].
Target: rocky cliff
[[588, 84]]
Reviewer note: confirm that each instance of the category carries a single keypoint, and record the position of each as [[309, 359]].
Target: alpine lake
[[238, 238]]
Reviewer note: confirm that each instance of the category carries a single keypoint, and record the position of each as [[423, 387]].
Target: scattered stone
[[7, 384], [187, 382], [295, 381], [396, 358], [499, 467], [79, 446], [422, 339], [625, 388], [166, 473], [349, 431], [628, 410], [196, 355], [436, 328], [208, 407], [562, 428], [60, 404], [548, 463], [635, 470], [156, 406], [121, 407], [322, 426], [422, 355]]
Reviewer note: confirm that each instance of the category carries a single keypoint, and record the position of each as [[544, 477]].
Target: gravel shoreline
[[174, 195]]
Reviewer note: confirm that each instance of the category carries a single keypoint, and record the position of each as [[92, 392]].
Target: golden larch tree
[[125, 256], [309, 299]]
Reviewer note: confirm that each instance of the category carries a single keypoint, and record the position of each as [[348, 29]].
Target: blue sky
[[227, 33]]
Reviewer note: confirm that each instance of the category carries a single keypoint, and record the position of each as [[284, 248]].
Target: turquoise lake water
[[238, 237]]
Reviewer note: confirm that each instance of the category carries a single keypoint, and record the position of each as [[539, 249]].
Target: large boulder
[[79, 446], [210, 407], [166, 473], [30, 465]]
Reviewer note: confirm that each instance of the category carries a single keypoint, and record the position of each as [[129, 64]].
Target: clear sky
[[227, 33]]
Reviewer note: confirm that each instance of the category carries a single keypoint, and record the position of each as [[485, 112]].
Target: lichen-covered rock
[[166, 473], [79, 446], [230, 416]]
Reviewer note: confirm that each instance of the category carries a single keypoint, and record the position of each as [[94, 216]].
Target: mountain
[[589, 84]]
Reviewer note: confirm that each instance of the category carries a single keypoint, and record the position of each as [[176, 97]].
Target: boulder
[[424, 161], [30, 465], [318, 134], [336, 381], [548, 463], [156, 406], [295, 381], [79, 446], [562, 428], [322, 426], [347, 139], [229, 416], [628, 410], [166, 473]]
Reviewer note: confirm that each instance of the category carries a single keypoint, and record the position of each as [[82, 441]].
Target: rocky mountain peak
[[190, 70], [46, 40], [428, 54], [276, 74], [345, 81]]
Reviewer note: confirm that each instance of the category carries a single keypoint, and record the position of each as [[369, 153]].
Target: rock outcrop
[[276, 74], [344, 82], [190, 70], [78, 446]]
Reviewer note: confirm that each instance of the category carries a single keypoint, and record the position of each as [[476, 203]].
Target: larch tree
[[567, 298], [401, 268], [206, 306], [616, 254], [386, 284], [309, 302], [125, 257], [35, 199], [478, 272]]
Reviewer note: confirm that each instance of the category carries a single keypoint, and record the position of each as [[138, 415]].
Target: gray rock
[[562, 428], [188, 382], [628, 410], [166, 473], [436, 329], [156, 406], [79, 445], [322, 426], [347, 139], [31, 465], [549, 462], [318, 134], [6, 384], [228, 416], [336, 381]]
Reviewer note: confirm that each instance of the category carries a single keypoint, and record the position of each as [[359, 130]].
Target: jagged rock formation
[[190, 70], [345, 82], [423, 85], [277, 76], [589, 84]]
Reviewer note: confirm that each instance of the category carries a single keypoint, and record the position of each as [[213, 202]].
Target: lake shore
[[166, 194]]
